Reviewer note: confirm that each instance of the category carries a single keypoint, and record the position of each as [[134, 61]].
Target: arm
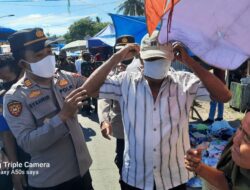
[[104, 118], [96, 79], [10, 146], [215, 86], [103, 110], [212, 175]]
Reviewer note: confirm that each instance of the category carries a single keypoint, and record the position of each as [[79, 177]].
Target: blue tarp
[[4, 33], [130, 25], [104, 38]]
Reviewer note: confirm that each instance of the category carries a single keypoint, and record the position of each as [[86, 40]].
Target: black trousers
[[119, 154], [125, 186], [78, 183]]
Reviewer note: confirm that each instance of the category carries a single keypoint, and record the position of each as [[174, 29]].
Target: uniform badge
[[15, 108], [39, 33], [124, 40], [27, 83], [63, 82], [35, 93]]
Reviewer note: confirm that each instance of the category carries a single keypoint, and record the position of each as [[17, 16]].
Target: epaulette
[[2, 92]]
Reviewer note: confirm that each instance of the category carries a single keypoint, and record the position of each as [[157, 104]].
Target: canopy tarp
[[106, 37], [4, 33], [216, 31], [130, 25], [75, 45], [154, 10]]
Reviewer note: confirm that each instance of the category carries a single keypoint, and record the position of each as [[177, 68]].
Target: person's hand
[[193, 160], [180, 52], [128, 51], [19, 182], [106, 129], [71, 104]]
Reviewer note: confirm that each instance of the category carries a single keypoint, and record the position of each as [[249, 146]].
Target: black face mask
[[127, 62]]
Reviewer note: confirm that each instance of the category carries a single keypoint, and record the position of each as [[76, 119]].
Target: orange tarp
[[154, 10]]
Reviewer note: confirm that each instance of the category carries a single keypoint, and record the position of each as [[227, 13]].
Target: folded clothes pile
[[213, 138]]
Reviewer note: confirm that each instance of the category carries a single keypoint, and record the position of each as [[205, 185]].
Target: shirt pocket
[[42, 108]]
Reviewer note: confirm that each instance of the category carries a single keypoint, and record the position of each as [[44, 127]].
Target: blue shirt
[[3, 124]]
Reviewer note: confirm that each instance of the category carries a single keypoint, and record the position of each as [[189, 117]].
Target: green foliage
[[132, 7], [83, 27]]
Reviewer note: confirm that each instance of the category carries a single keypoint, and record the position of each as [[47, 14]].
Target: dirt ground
[[231, 115]]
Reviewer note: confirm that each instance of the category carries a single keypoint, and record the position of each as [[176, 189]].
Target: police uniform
[[58, 150], [31, 112]]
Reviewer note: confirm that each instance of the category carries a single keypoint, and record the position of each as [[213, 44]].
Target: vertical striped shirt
[[156, 133]]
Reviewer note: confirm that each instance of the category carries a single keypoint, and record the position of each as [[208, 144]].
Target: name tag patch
[[39, 101], [66, 89]]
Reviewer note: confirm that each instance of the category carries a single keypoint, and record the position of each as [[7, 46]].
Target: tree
[[83, 27], [132, 7]]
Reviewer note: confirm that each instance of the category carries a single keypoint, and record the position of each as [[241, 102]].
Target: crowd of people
[[142, 102]]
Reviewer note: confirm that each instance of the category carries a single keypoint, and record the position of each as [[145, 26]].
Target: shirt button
[[154, 109], [154, 129], [154, 167], [154, 149]]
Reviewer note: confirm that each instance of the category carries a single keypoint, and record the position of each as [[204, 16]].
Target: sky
[[54, 16]]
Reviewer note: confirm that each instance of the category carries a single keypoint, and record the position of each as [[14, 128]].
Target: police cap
[[124, 40], [31, 38]]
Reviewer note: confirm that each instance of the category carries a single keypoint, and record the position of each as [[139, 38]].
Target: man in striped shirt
[[155, 106]]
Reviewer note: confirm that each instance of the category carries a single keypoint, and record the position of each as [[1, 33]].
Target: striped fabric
[[156, 133]]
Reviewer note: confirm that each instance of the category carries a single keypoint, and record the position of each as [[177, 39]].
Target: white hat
[[150, 48]]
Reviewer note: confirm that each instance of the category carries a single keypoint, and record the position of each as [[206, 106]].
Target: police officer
[[109, 111], [41, 112], [9, 74]]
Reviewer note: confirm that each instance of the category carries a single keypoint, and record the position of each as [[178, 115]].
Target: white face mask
[[157, 69], [44, 68]]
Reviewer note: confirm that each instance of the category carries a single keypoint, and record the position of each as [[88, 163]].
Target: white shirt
[[156, 133], [78, 64]]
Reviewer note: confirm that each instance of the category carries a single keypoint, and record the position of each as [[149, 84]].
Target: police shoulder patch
[[15, 108]]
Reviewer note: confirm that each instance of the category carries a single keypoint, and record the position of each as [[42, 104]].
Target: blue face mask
[[157, 69]]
